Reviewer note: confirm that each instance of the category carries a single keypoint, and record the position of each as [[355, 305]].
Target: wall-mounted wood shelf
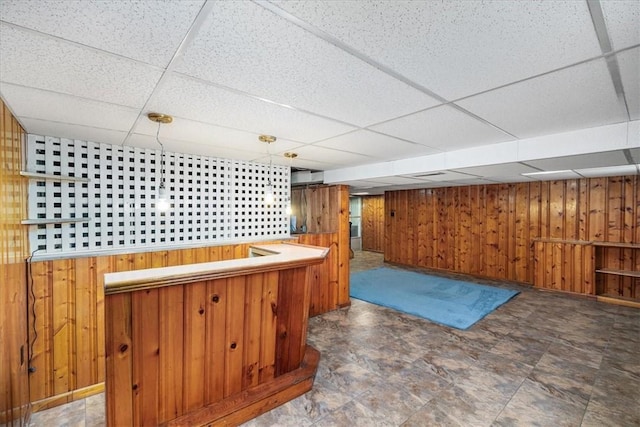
[[53, 177], [38, 221], [619, 272], [617, 259]]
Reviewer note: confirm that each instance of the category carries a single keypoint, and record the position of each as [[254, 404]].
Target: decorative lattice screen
[[212, 200]]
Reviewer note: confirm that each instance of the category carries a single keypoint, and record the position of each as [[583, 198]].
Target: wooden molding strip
[[255, 401], [70, 396]]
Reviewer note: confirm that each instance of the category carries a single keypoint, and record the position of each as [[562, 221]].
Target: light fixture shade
[[162, 203], [268, 194]]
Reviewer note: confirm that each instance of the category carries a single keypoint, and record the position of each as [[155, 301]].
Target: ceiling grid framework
[[380, 95]]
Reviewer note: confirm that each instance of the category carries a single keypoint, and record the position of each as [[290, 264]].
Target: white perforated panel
[[212, 200]]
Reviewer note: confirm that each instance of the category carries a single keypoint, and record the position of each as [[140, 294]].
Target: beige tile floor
[[543, 359]]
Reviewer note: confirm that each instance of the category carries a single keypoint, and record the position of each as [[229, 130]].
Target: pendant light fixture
[[290, 156], [162, 201], [269, 197]]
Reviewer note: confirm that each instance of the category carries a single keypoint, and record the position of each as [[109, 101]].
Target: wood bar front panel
[[14, 390], [238, 333], [490, 230], [373, 223]]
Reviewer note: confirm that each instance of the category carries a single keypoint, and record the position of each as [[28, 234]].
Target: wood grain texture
[[69, 353], [325, 209], [14, 391], [172, 351], [372, 217], [490, 230]]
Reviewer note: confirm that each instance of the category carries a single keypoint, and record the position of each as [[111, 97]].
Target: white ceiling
[[378, 94]]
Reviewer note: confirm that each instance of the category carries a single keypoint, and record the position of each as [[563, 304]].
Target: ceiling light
[[162, 201]]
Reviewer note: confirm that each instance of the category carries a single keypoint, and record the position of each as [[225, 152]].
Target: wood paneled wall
[[373, 223], [14, 391], [325, 209], [489, 230]]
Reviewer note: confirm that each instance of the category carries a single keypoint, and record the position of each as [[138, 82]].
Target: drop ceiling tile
[[509, 179], [582, 161], [135, 29], [178, 146], [186, 97], [610, 171], [629, 62], [396, 180], [555, 175], [263, 54], [216, 136], [635, 154], [623, 22], [56, 107], [33, 60], [443, 128], [574, 98], [457, 48], [310, 164], [376, 145], [360, 184], [441, 176], [328, 155], [64, 130], [503, 170]]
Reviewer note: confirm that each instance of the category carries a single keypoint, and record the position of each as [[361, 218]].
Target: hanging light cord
[[161, 156]]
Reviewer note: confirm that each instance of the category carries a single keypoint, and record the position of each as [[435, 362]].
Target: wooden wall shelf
[[38, 221], [52, 177]]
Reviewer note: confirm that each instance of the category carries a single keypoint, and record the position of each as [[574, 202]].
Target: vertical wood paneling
[[14, 390], [373, 223], [490, 231], [234, 331], [216, 339], [171, 358], [146, 341], [119, 361], [194, 345], [242, 331]]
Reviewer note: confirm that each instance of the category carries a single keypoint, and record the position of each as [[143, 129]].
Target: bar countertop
[[262, 258]]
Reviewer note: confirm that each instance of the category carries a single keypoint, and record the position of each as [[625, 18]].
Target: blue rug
[[449, 302]]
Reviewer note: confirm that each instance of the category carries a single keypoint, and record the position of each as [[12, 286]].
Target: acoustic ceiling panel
[[376, 145], [57, 107], [458, 48], [503, 170], [629, 62], [443, 128], [328, 155], [215, 136], [573, 98], [610, 171], [247, 47], [175, 145], [583, 161], [622, 18], [186, 97], [135, 29], [66, 130], [33, 60]]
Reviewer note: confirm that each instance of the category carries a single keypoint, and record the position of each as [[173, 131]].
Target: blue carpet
[[445, 301]]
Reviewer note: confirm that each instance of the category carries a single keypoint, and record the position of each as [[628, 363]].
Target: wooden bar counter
[[214, 343]]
